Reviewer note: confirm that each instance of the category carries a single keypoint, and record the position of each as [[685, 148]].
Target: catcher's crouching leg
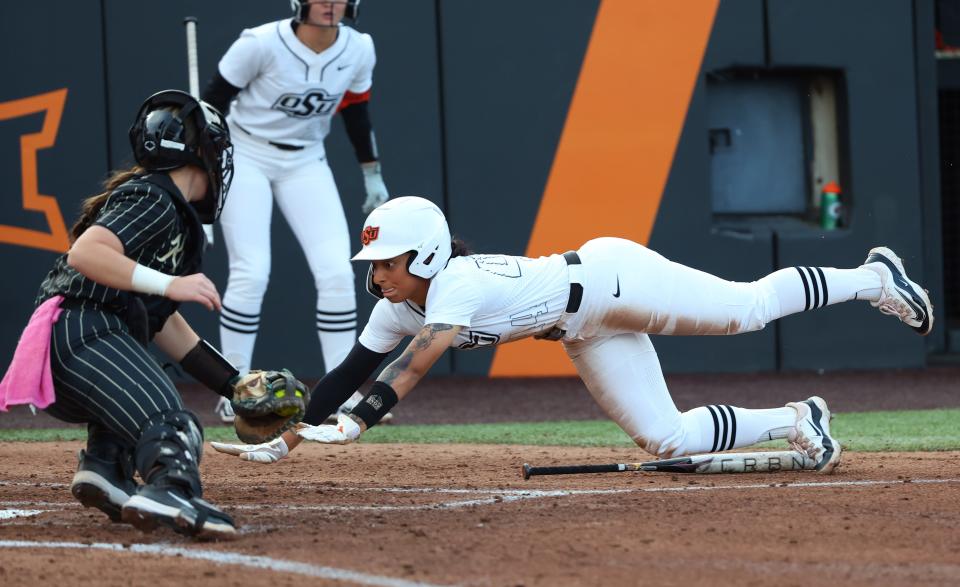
[[104, 477], [168, 459]]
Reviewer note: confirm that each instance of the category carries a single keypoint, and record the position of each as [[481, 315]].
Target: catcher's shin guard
[[168, 458], [169, 450]]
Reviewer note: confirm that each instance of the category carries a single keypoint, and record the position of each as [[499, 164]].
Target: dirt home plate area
[[398, 515]]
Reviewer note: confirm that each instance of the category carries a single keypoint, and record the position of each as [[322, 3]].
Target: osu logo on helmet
[[369, 234]]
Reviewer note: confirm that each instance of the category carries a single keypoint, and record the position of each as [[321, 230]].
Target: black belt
[[573, 302], [281, 146], [576, 289]]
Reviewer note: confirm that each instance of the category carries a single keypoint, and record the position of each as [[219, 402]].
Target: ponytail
[[460, 248], [90, 208]]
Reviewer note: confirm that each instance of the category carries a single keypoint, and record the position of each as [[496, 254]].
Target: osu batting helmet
[[406, 224], [173, 129], [301, 8]]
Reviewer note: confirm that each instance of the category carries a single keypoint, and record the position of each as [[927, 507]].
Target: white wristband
[[370, 168], [150, 281]]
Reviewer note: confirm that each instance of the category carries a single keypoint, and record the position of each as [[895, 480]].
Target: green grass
[[913, 430]]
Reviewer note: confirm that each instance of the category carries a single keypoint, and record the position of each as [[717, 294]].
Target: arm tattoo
[[425, 338], [394, 369], [422, 341]]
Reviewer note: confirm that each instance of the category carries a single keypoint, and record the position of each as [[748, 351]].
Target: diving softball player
[[602, 302], [286, 80], [135, 256]]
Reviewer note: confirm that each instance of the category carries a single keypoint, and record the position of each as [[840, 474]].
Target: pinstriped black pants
[[103, 376]]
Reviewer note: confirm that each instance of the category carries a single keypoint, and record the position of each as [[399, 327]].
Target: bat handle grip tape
[[529, 471]]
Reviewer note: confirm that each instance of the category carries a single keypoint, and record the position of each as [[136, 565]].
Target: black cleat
[[101, 484], [168, 505]]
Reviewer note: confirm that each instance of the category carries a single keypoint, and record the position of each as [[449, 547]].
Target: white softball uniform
[[278, 121], [629, 291], [290, 93]]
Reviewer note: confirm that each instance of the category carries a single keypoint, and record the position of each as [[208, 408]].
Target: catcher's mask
[[406, 224], [301, 10], [173, 129]]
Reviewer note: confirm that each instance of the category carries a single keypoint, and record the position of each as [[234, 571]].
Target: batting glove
[[373, 182], [345, 432], [268, 452]]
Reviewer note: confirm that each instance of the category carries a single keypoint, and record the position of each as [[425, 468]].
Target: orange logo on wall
[[645, 53], [57, 238]]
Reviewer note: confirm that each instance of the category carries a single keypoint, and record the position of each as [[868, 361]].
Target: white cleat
[[812, 434], [899, 296], [225, 411]]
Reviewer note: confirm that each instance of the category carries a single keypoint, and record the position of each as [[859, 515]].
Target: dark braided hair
[[460, 248]]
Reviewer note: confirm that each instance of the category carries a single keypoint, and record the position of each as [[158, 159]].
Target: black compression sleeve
[[210, 368], [338, 385], [356, 119], [219, 92]]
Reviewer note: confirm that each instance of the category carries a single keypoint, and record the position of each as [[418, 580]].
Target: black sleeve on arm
[[338, 385], [356, 119], [219, 92]]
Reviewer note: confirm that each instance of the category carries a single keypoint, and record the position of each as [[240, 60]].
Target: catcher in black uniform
[[135, 257]]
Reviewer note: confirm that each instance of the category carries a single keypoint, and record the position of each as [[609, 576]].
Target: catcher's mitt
[[254, 430], [267, 403], [264, 393]]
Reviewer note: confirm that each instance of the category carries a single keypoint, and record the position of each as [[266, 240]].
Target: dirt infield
[[398, 515]]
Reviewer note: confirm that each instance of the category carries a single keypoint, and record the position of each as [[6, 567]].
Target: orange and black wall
[[536, 125]]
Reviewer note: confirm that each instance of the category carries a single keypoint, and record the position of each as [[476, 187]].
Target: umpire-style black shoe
[[101, 484], [170, 506]]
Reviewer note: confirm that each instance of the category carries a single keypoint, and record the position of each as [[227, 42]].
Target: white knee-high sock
[[806, 288], [719, 427], [239, 324]]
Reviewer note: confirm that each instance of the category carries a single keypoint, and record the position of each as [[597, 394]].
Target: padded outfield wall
[[536, 129]]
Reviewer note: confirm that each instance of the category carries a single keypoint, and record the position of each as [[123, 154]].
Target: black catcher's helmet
[[301, 8], [173, 129]]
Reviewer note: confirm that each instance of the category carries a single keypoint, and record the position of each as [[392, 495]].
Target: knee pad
[[169, 450]]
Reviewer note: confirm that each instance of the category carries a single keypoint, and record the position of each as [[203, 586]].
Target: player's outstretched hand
[[194, 288], [345, 431], [268, 452], [373, 182]]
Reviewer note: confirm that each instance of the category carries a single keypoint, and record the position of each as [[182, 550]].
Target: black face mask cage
[[158, 138]]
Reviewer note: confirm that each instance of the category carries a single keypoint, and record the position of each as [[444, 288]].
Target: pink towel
[[29, 379]]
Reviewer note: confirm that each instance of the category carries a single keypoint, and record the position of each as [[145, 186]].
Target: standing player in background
[[602, 301], [286, 80], [135, 256]]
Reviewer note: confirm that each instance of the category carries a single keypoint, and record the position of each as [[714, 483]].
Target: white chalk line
[[10, 514], [229, 558], [513, 495]]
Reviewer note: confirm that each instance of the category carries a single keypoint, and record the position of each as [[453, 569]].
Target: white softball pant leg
[[310, 202], [245, 222], [658, 296], [622, 373]]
